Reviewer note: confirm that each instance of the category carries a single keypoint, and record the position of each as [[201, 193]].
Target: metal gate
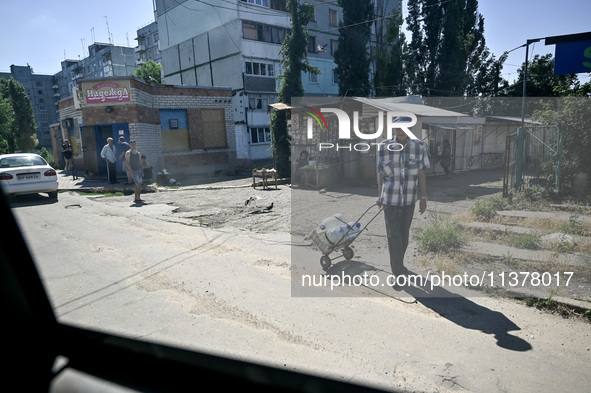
[[533, 155]]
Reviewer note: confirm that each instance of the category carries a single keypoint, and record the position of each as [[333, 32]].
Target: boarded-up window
[[175, 140], [214, 128], [175, 130]]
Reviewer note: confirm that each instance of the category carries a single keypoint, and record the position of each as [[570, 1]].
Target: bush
[[46, 154], [486, 209], [441, 236]]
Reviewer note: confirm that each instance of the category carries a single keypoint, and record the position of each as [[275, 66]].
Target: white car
[[27, 173]]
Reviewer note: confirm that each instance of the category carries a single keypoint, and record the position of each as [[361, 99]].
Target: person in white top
[[108, 153]]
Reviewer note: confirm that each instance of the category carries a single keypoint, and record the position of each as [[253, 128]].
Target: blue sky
[[42, 33]]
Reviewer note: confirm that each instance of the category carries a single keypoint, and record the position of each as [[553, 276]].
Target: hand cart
[[319, 238]]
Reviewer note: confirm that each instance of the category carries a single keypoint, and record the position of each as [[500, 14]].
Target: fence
[[533, 155]]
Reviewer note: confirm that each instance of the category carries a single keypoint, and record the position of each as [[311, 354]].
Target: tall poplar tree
[[389, 59], [351, 56], [448, 51], [294, 61]]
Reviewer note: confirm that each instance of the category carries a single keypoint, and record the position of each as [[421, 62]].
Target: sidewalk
[[100, 183], [95, 183]]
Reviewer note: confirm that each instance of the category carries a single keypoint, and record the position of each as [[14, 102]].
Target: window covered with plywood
[[175, 130], [214, 128]]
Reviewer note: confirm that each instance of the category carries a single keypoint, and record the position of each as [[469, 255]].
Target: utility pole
[[525, 78]]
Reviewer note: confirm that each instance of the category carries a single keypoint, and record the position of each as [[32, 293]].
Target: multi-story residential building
[[236, 43], [103, 60], [148, 47], [43, 94]]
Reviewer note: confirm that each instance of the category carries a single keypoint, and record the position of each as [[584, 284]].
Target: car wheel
[[52, 195]]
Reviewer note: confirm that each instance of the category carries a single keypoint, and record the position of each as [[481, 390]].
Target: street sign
[[572, 58]]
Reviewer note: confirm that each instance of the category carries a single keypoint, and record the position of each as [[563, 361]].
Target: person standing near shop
[[67, 153], [108, 154], [134, 165], [400, 176], [122, 148]]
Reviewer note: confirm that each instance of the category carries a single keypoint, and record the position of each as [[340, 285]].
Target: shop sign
[[107, 93]]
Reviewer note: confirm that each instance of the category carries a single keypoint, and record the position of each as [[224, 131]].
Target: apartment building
[[236, 43], [148, 47], [42, 91], [103, 60]]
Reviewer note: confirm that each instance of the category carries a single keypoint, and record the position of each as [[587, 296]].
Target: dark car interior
[[43, 355]]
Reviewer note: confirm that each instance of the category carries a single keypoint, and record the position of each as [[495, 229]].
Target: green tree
[[389, 59], [149, 72], [24, 128], [293, 61], [541, 81], [7, 141], [447, 51], [351, 56], [572, 115]]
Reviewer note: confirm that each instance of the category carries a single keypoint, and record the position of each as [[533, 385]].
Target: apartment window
[[333, 17], [335, 76], [313, 77], [259, 69], [312, 44], [249, 30], [278, 5], [334, 44], [257, 103], [261, 32], [259, 135], [264, 3]]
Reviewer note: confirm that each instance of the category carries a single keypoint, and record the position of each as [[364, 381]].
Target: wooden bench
[[265, 174]]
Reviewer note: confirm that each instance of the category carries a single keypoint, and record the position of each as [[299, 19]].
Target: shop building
[[187, 130]]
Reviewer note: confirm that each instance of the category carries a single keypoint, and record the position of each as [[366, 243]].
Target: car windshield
[[15, 162]]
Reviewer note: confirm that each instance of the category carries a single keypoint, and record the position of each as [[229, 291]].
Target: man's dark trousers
[[112, 171], [398, 220]]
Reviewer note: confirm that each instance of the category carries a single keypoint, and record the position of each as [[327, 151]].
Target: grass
[[441, 236], [554, 307], [486, 209], [528, 241]]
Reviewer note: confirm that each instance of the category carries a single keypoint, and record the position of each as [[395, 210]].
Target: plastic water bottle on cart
[[336, 233]]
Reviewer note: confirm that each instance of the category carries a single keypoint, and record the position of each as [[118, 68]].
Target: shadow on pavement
[[456, 308], [468, 314]]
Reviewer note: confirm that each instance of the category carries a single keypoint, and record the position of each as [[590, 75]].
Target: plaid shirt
[[400, 171]]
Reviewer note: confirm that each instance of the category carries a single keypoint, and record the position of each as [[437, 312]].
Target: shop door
[[89, 150], [120, 130], [102, 132]]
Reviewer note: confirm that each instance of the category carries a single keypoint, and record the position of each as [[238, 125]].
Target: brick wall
[[143, 117]]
